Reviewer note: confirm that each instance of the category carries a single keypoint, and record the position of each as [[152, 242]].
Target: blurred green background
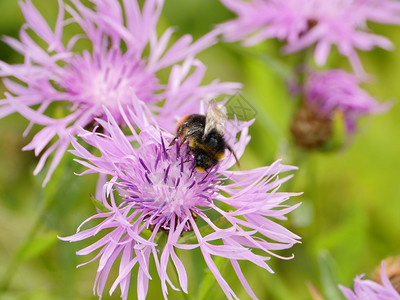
[[349, 220]]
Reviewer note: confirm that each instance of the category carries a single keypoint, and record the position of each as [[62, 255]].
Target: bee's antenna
[[173, 142], [234, 154], [181, 143]]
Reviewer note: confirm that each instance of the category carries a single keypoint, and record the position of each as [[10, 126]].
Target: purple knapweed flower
[[163, 198], [304, 23], [365, 289], [335, 90], [124, 53]]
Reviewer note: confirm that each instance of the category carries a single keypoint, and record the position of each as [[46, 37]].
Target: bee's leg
[[188, 150], [180, 144], [173, 141], [185, 138], [184, 162], [234, 154], [191, 173], [208, 173]]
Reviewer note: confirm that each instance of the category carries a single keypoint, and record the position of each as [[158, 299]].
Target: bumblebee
[[204, 135]]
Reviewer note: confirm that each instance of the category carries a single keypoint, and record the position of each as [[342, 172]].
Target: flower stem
[[185, 296], [209, 281], [205, 230], [281, 69], [49, 198]]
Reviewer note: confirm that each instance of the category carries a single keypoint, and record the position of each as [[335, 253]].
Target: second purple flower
[[117, 51]]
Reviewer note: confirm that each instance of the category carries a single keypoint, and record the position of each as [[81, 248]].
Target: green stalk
[[209, 281], [190, 237], [49, 198]]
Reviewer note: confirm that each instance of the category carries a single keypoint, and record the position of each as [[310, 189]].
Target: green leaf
[[190, 237], [98, 204], [37, 246], [327, 268], [209, 280], [280, 68], [11, 16]]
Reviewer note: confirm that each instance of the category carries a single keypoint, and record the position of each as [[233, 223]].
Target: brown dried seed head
[[392, 269], [310, 128]]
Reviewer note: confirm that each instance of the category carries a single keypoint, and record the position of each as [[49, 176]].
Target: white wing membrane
[[215, 118]]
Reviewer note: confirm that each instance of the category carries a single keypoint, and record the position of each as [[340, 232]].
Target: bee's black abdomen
[[204, 159], [215, 141]]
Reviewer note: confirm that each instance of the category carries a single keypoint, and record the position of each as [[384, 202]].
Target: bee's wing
[[215, 118]]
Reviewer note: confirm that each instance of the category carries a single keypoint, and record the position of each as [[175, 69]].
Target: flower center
[[107, 78], [167, 185]]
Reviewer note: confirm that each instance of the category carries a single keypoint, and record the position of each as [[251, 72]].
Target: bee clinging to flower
[[204, 135]]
